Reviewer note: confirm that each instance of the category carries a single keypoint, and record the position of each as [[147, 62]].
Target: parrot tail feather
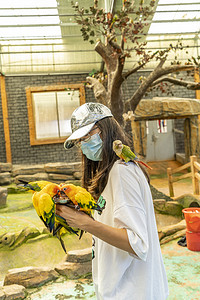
[[51, 225], [97, 208], [24, 184], [55, 230], [81, 234], [141, 162], [45, 223], [73, 231], [62, 243], [65, 225]]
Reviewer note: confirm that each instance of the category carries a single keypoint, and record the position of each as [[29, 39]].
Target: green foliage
[[93, 72], [125, 26], [123, 32], [96, 22]]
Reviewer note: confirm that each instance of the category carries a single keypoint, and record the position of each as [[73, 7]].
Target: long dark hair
[[95, 173]]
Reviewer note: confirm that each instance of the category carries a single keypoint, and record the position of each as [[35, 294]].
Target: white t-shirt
[[117, 274]]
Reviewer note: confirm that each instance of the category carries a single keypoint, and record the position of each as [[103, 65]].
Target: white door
[[160, 140]]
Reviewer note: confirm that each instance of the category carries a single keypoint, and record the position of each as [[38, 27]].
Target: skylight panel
[[24, 18], [176, 17]]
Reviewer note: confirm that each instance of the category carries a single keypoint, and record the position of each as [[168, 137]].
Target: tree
[[124, 36]]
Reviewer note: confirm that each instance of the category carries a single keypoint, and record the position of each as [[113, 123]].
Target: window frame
[[52, 88]]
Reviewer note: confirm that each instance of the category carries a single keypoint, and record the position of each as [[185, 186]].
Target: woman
[[127, 260]]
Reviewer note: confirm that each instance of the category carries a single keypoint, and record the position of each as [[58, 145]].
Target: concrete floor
[[183, 269], [182, 265]]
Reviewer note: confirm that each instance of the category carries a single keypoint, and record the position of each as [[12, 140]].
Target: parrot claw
[[123, 162], [77, 207]]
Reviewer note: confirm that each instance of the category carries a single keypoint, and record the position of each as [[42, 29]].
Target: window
[[49, 112], [162, 126]]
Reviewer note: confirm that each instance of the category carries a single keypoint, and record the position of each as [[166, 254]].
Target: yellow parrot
[[81, 198], [44, 204], [125, 153], [45, 193]]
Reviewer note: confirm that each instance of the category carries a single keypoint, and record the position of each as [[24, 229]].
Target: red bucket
[[192, 218], [193, 240]]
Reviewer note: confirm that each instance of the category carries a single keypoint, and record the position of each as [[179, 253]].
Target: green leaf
[[86, 37]]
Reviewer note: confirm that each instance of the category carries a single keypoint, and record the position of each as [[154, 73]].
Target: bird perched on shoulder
[[81, 198], [125, 153]]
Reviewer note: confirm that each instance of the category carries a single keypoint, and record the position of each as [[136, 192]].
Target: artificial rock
[[3, 196], [30, 276]]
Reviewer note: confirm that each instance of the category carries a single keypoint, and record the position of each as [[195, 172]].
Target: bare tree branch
[[103, 50], [122, 40], [188, 84], [137, 96], [157, 73], [176, 68], [98, 89], [115, 46], [117, 79], [160, 65], [107, 54], [133, 70]]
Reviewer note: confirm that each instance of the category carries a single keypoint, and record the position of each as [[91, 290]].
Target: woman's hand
[[73, 217], [114, 236]]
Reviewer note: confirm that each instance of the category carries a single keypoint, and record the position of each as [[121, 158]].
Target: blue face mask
[[93, 148]]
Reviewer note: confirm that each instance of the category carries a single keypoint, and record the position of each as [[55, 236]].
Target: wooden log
[[181, 168], [170, 180], [195, 182]]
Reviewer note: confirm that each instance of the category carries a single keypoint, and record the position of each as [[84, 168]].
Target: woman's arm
[[114, 236]]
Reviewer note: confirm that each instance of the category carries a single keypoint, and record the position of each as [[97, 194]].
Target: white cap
[[84, 118]]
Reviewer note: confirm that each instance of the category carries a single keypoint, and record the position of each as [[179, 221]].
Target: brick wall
[[2, 140], [22, 152]]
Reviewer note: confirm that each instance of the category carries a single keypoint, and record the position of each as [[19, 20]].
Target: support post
[[139, 137], [170, 182], [5, 119], [195, 182], [197, 79]]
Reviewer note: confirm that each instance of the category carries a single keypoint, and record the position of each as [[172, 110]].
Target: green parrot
[[125, 153]]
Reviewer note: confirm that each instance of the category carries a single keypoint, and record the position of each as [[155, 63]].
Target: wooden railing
[[194, 167]]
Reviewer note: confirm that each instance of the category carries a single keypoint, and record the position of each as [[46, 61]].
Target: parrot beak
[[61, 198], [57, 195]]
